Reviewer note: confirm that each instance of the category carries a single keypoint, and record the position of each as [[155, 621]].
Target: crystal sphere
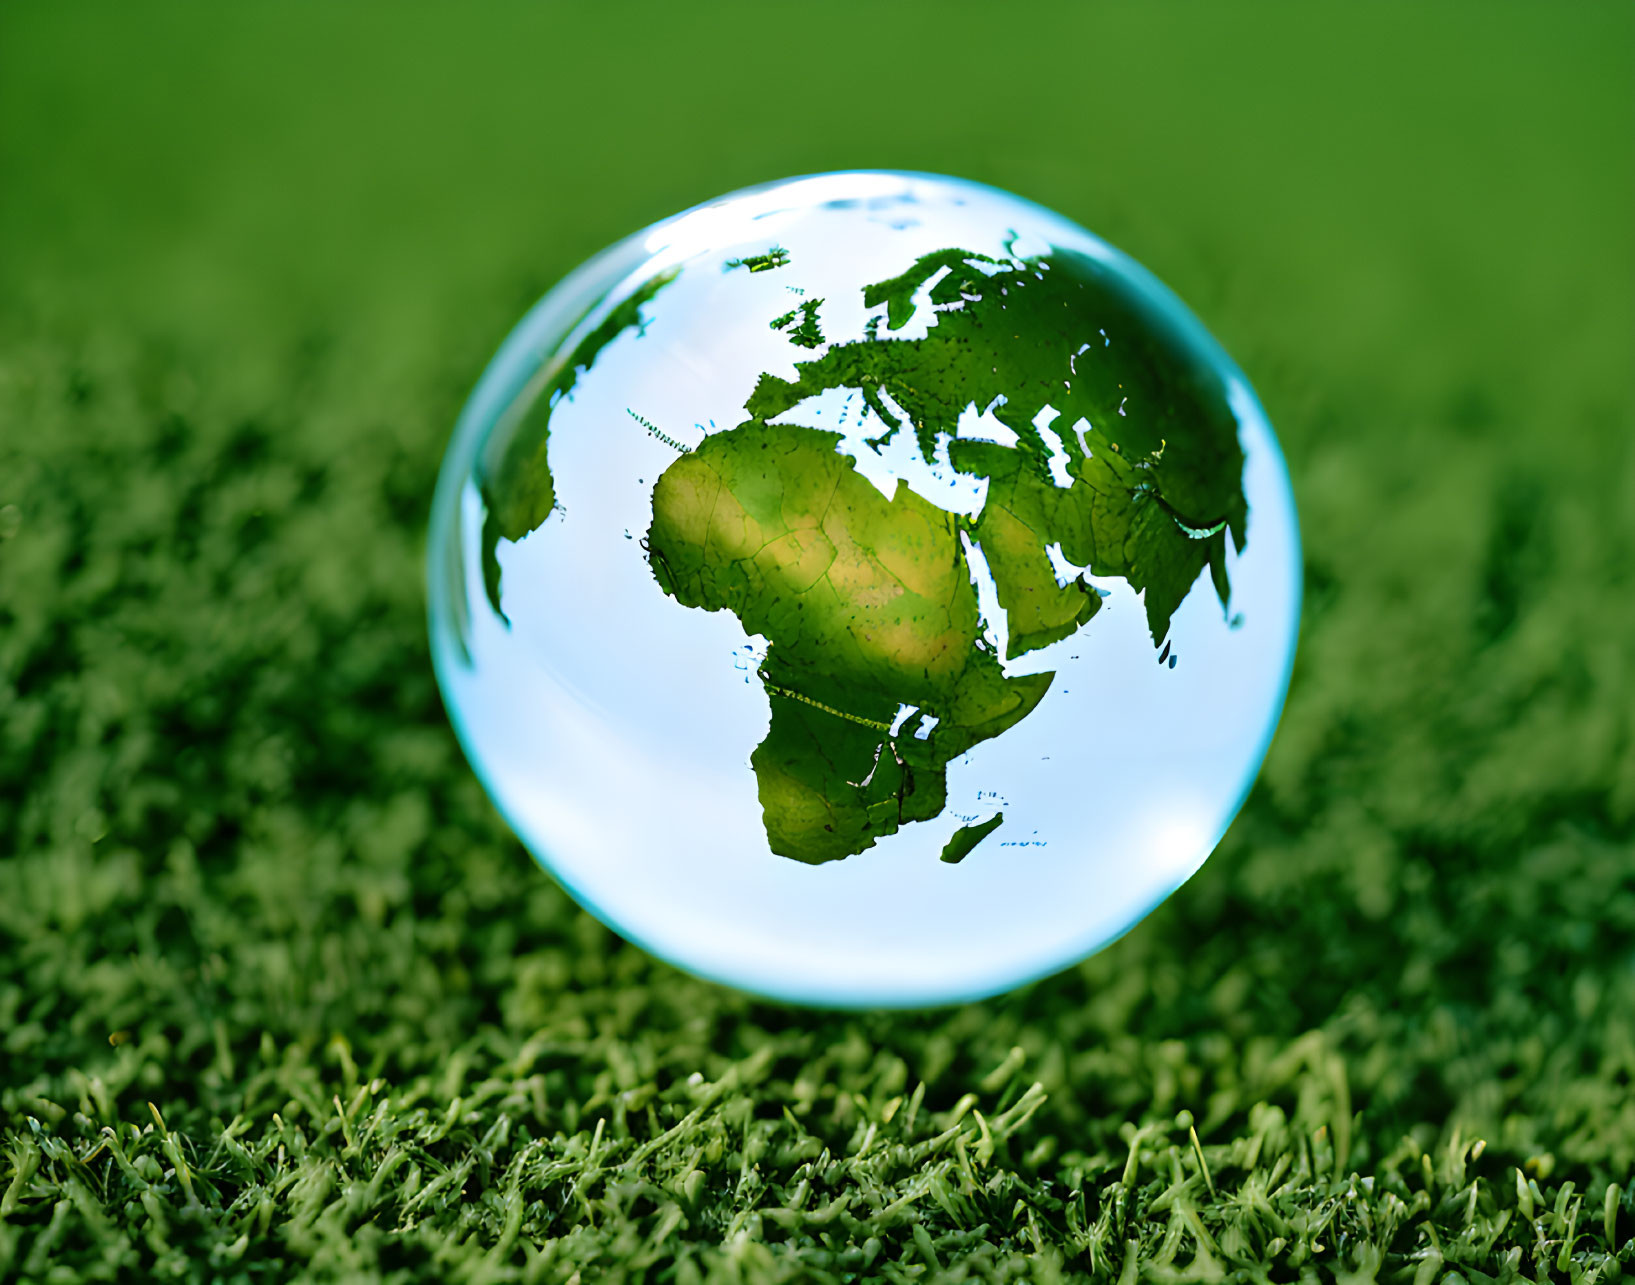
[[867, 589]]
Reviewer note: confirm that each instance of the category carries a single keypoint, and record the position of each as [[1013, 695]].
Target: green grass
[[279, 995]]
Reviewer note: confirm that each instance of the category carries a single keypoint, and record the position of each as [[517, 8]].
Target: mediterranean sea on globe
[[867, 589]]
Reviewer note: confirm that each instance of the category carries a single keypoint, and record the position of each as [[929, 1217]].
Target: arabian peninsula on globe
[[1091, 446]]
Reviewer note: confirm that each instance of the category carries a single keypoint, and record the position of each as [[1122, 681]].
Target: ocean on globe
[[868, 589]]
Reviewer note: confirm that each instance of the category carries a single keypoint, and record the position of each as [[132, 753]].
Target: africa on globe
[[867, 589]]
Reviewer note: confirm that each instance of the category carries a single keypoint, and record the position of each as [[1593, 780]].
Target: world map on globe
[[1108, 453]]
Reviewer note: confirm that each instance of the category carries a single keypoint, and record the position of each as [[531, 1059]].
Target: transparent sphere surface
[[867, 589]]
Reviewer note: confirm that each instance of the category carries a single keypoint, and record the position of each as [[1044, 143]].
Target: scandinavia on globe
[[854, 589]]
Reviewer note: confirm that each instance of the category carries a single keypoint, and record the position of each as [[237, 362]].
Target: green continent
[[518, 489], [1126, 461], [868, 606], [1146, 436]]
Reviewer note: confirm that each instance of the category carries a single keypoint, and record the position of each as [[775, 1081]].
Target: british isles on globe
[[867, 589]]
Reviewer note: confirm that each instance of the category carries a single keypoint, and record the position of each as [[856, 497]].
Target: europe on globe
[[851, 524]]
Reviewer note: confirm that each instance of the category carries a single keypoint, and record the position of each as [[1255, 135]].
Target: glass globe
[[867, 589]]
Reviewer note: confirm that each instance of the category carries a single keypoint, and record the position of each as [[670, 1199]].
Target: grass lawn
[[281, 998]]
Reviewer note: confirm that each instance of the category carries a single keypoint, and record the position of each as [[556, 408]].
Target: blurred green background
[[252, 258]]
